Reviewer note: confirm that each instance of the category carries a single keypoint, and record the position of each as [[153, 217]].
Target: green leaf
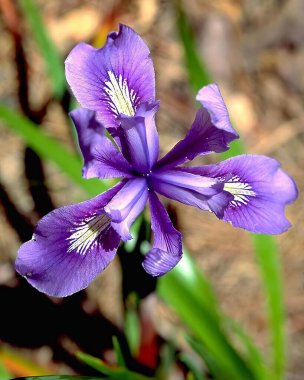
[[50, 149], [119, 356], [197, 72], [16, 363], [266, 250], [188, 276], [179, 291], [4, 373], [59, 377], [268, 259], [252, 353], [236, 148], [113, 373], [53, 61], [196, 373], [167, 359], [132, 328], [209, 360]]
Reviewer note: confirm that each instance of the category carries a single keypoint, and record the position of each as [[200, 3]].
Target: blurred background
[[254, 49]]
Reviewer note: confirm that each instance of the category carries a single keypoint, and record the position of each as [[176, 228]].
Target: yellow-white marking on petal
[[241, 191], [84, 235], [121, 99]]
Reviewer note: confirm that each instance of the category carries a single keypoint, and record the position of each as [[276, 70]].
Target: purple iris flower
[[115, 86]]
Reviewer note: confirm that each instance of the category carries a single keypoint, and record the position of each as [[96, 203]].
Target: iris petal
[[70, 247], [167, 246], [139, 137], [126, 205], [101, 158], [211, 99], [211, 130], [112, 80], [260, 191], [194, 190]]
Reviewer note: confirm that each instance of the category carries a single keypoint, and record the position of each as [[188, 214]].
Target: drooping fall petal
[[70, 247], [260, 190], [167, 245]]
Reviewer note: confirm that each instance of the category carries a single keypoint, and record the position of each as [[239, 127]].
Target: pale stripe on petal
[[85, 234]]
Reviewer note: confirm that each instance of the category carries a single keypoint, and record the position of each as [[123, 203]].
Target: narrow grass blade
[[113, 373], [50, 149], [251, 351], [167, 359], [191, 279], [197, 72], [58, 377], [209, 360], [236, 148], [266, 250], [53, 61], [4, 373], [16, 364], [119, 356], [132, 329], [197, 374], [199, 318], [269, 262]]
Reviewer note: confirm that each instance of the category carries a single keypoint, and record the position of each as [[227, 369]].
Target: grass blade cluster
[[265, 247]]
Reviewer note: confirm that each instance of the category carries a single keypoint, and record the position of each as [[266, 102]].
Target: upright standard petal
[[211, 99], [167, 246], [70, 247], [139, 137], [194, 190], [126, 205], [112, 80], [260, 191], [101, 158], [211, 130]]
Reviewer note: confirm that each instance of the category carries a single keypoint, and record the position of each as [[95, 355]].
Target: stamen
[[86, 233], [121, 99], [241, 191]]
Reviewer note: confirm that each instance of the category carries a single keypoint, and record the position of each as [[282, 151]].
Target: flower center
[[148, 174], [120, 98], [85, 234], [241, 191]]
